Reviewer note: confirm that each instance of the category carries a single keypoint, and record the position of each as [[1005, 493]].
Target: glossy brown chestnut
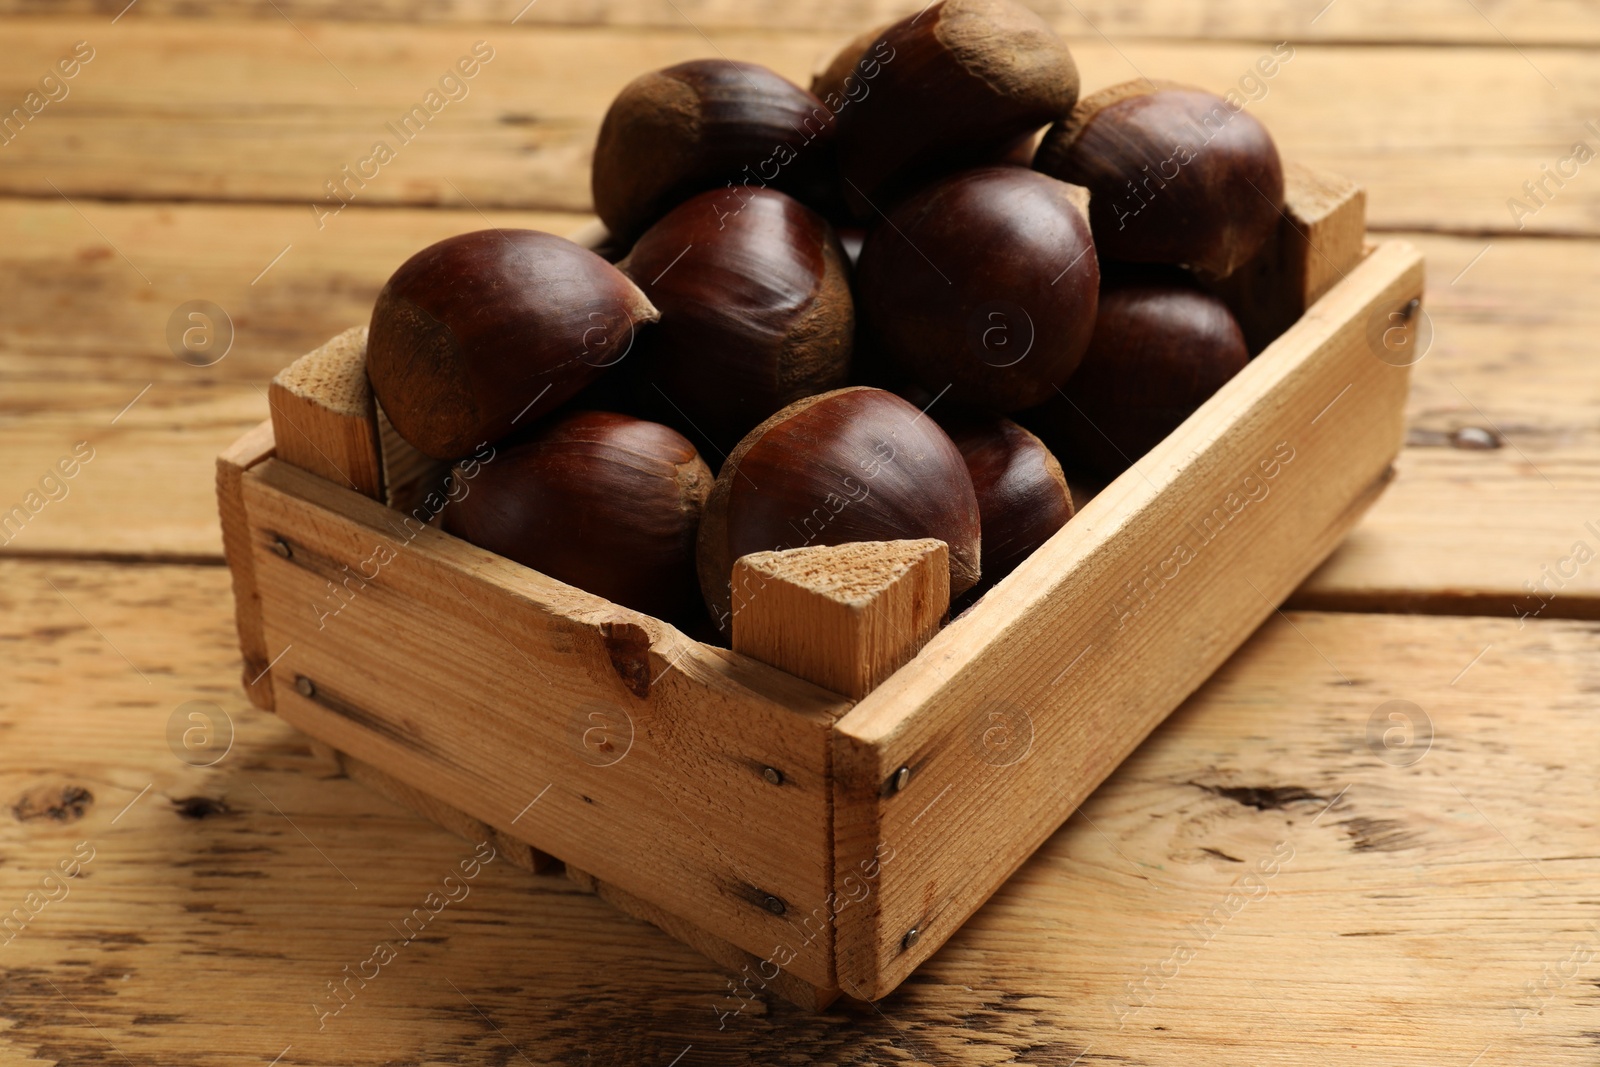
[[708, 124], [481, 334], [855, 464], [1177, 175], [1161, 347], [602, 501], [847, 77], [1022, 493], [755, 308], [955, 85], [983, 283]]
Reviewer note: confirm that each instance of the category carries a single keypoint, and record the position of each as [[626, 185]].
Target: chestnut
[[1161, 347], [1177, 175], [708, 124], [847, 76], [1022, 493], [482, 333], [605, 502], [755, 310], [951, 86], [987, 281], [855, 464]]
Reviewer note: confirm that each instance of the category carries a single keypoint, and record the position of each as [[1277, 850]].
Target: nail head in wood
[[305, 687], [913, 935], [281, 547], [776, 906], [901, 777], [772, 775]]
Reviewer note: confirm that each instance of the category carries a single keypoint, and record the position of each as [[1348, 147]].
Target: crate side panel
[[1013, 714], [593, 733], [254, 447]]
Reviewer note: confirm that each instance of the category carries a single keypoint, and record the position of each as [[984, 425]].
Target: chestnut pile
[[883, 308]]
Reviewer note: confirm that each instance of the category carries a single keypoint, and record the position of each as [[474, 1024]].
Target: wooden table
[[1286, 872]]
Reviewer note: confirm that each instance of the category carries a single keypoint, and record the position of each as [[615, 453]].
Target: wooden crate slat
[[753, 975], [1016, 710], [517, 852], [253, 448], [593, 733]]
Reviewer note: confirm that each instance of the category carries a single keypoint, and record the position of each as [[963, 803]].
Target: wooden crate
[[820, 809]]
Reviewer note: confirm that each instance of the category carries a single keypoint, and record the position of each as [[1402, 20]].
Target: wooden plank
[[77, 310], [287, 123], [1404, 929], [644, 751], [1510, 365], [251, 449], [1520, 22], [517, 853], [752, 975], [963, 763], [149, 490], [325, 418], [843, 616]]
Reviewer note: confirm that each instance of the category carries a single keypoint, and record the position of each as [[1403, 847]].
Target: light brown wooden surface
[[280, 124], [750, 975], [1522, 22], [1420, 904], [206, 940]]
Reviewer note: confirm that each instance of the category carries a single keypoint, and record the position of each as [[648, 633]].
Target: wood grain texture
[[496, 689], [516, 852], [324, 417], [1018, 708], [843, 616], [1439, 21], [752, 975], [80, 307], [1511, 365], [82, 335], [1405, 929], [165, 112], [253, 448], [149, 492]]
